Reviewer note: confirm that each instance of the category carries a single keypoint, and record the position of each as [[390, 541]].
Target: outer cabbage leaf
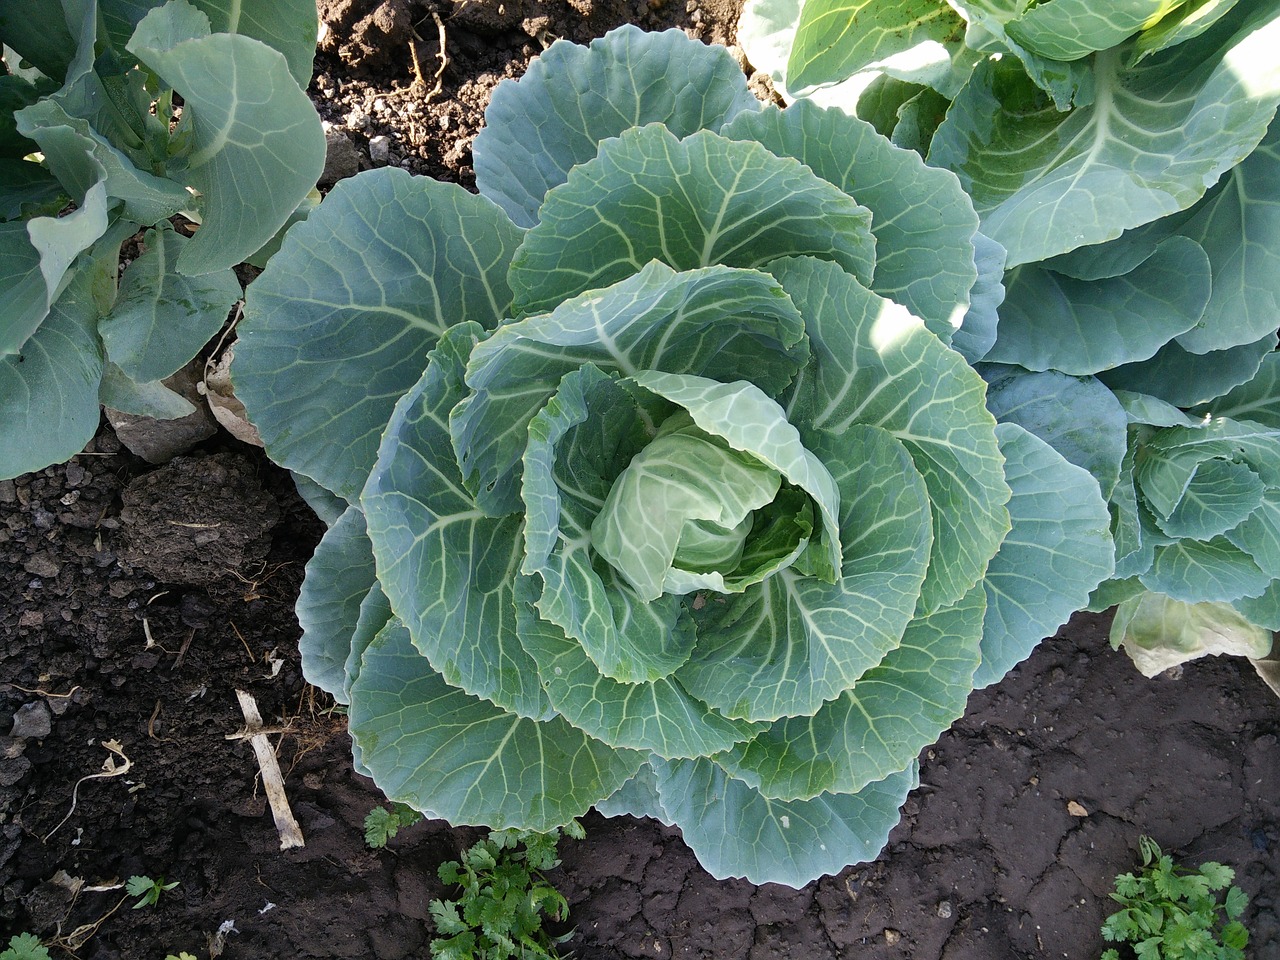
[[979, 329], [659, 716], [1134, 533], [1262, 610], [734, 831], [35, 257], [257, 146], [1221, 495], [375, 613], [924, 225], [339, 576], [436, 748], [1237, 223], [24, 285], [150, 398], [1258, 535], [1171, 458], [1078, 417], [1189, 20], [1082, 327], [49, 391], [40, 35], [689, 203], [837, 38], [27, 189], [162, 318], [1158, 632], [327, 506], [874, 363], [1058, 551], [917, 119], [572, 98], [1198, 571], [285, 25], [767, 32], [638, 797], [362, 290], [1153, 140], [1071, 29], [874, 729], [448, 570], [1141, 408], [1188, 379], [991, 25], [1258, 399], [65, 140]]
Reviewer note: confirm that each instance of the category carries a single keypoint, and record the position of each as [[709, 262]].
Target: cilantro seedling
[[1172, 913], [504, 896], [149, 890], [24, 946], [382, 824]]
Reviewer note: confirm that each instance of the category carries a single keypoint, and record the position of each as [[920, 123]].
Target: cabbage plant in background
[[94, 150], [1127, 161], [670, 488]]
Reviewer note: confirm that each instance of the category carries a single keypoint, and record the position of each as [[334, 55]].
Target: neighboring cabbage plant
[[667, 493], [95, 149], [1127, 161]]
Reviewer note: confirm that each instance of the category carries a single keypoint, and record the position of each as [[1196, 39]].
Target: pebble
[[11, 771], [32, 720], [341, 158], [380, 150], [43, 565], [944, 909]]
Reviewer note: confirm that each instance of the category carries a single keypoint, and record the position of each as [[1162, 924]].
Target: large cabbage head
[[692, 512]]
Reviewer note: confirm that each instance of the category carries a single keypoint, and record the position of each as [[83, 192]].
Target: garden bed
[[140, 600]]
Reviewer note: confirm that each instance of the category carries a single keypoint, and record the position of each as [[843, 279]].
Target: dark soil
[[136, 600]]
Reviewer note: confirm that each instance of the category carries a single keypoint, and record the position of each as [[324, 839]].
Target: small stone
[[11, 771], [944, 909], [8, 491], [341, 158], [159, 441], [43, 565], [380, 150], [357, 119], [891, 936], [1076, 809], [11, 747], [32, 720]]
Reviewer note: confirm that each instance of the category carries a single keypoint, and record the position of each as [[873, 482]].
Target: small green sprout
[[382, 824], [24, 946], [1171, 913], [149, 890], [498, 914]]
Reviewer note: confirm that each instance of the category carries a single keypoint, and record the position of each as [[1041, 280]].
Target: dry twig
[[286, 826]]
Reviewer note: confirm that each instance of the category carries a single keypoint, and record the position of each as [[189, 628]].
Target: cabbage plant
[[667, 489], [115, 117], [1126, 163]]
